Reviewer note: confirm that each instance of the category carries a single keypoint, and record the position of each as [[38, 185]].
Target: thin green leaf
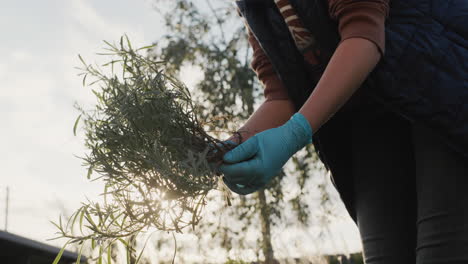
[[76, 124], [147, 47], [121, 43], [73, 219], [100, 256], [59, 255], [81, 221], [109, 254], [82, 61], [84, 79], [125, 243], [143, 249], [78, 259], [128, 256], [105, 54], [175, 248], [55, 224], [90, 171], [128, 42], [108, 43], [106, 186], [109, 63]]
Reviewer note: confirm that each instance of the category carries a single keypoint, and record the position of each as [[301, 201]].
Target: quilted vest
[[423, 75]]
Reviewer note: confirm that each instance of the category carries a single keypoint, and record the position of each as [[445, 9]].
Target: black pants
[[410, 193]]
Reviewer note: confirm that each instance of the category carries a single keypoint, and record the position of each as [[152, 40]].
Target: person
[[380, 87]]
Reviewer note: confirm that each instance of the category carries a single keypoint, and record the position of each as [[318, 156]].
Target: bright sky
[[38, 86]]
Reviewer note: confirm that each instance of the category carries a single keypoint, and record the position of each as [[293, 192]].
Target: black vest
[[423, 75]]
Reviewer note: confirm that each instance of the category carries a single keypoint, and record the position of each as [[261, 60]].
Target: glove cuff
[[302, 128]]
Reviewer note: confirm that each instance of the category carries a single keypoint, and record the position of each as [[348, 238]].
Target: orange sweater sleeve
[[274, 88], [362, 19], [356, 18]]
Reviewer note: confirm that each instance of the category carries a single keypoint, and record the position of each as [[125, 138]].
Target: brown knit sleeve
[[362, 19], [273, 86]]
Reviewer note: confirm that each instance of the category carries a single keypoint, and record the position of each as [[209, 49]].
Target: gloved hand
[[252, 164], [226, 145]]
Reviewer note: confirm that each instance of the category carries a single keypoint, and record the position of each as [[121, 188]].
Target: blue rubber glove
[[252, 164], [220, 145], [215, 167], [214, 150]]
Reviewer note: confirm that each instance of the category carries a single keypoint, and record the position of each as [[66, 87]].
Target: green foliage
[[148, 145]]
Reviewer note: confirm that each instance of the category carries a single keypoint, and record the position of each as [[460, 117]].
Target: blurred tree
[[211, 37]]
